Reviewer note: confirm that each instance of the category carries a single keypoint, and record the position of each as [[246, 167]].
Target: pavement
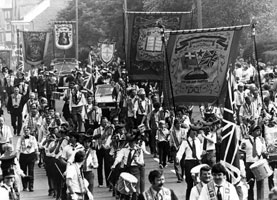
[[41, 186]]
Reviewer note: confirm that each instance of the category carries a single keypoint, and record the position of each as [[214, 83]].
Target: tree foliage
[[103, 19]]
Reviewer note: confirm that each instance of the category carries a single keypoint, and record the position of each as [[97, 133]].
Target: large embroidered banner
[[107, 50], [63, 35], [199, 61], [34, 46], [144, 47]]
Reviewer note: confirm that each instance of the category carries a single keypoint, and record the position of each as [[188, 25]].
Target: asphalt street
[[41, 186]]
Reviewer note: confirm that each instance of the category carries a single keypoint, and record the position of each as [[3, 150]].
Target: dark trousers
[[103, 156], [152, 141], [163, 148], [139, 173], [188, 166], [27, 163], [178, 172], [89, 176], [60, 180], [50, 172], [271, 178], [249, 176], [131, 123], [16, 118], [77, 118], [90, 126]]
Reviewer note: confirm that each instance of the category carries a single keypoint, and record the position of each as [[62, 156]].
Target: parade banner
[[199, 60], [34, 46], [106, 52], [143, 44], [63, 35], [5, 58]]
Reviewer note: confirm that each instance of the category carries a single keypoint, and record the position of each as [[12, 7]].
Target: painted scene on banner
[[199, 63]]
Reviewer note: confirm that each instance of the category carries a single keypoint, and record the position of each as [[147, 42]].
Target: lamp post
[[77, 30]]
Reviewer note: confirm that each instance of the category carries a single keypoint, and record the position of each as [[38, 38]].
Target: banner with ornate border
[[199, 63], [63, 35], [34, 46], [144, 48]]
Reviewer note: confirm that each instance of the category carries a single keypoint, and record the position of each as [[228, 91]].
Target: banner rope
[[208, 29]]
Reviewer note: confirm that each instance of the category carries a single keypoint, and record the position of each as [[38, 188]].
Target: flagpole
[[18, 47], [77, 29], [253, 27], [167, 65]]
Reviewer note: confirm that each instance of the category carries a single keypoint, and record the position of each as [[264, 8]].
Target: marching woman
[[27, 148]]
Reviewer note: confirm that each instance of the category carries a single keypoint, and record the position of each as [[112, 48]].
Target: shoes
[[165, 166], [50, 193], [31, 190], [24, 189], [155, 156], [100, 186], [179, 181], [161, 166]]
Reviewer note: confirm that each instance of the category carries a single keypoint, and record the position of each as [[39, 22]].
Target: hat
[[141, 91], [8, 173], [87, 137], [130, 137]]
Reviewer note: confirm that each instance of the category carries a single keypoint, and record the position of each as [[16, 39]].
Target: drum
[[261, 169], [126, 183], [56, 95]]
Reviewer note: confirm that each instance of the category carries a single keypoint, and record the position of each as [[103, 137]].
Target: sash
[[212, 193], [77, 100], [175, 139], [142, 110], [80, 180]]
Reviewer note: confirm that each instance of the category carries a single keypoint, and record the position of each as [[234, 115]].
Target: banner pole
[[18, 47], [167, 66], [253, 26], [77, 30]]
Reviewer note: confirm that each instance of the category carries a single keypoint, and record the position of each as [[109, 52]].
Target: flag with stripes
[[230, 143]]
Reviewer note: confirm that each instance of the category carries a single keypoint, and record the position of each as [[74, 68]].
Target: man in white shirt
[[205, 178], [254, 146], [219, 188], [27, 148], [192, 149], [75, 181], [5, 135], [177, 135]]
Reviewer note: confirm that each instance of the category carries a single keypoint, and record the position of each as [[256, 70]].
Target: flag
[[199, 61], [229, 143], [88, 82]]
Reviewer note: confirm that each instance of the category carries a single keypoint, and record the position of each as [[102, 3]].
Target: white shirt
[[248, 147], [122, 156], [6, 134], [204, 195], [72, 173], [180, 135], [4, 194], [185, 148], [194, 194], [69, 152], [211, 145], [31, 145], [91, 160]]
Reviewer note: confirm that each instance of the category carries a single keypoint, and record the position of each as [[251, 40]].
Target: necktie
[[15, 98], [205, 144], [218, 194], [13, 194], [129, 159], [254, 153], [193, 149]]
